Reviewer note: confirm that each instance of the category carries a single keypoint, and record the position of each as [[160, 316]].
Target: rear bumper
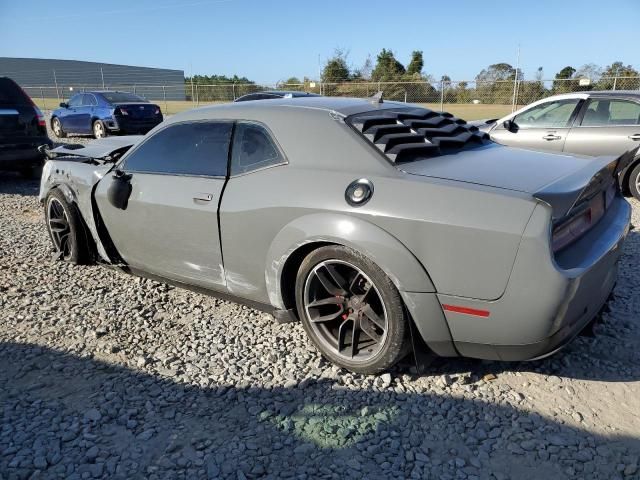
[[125, 125], [21, 155], [547, 302]]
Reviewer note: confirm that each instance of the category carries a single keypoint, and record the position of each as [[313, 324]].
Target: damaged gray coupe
[[380, 226]]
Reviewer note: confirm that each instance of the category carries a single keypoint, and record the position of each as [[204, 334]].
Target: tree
[[336, 68], [387, 68], [590, 71], [416, 64], [292, 81], [617, 76], [494, 84], [364, 72], [562, 83]]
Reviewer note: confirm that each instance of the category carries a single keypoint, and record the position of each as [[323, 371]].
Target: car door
[[69, 118], [542, 127], [170, 225], [606, 126], [85, 113]]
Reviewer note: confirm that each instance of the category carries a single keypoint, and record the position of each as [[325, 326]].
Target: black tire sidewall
[[633, 176], [79, 250], [396, 342]]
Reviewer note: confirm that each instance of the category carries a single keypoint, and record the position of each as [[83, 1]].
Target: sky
[[270, 41]]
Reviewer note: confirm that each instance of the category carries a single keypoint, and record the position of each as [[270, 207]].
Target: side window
[[253, 148], [196, 148], [607, 112], [556, 114], [76, 100], [88, 100]]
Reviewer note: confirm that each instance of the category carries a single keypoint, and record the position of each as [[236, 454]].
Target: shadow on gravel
[[14, 184], [66, 415]]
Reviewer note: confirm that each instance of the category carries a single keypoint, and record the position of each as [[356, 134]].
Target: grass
[[465, 111]]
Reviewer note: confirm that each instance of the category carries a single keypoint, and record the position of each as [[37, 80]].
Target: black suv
[[22, 130]]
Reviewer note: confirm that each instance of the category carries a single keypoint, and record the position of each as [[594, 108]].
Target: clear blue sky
[[269, 41]]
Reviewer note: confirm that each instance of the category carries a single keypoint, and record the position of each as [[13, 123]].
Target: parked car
[[22, 130], [102, 113], [585, 123], [274, 94], [365, 220]]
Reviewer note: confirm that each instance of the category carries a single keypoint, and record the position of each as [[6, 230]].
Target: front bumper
[[547, 302]]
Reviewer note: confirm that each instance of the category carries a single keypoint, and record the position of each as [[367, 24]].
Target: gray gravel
[[103, 375]]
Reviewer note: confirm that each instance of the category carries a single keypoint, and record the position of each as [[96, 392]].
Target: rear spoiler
[[102, 148], [565, 193]]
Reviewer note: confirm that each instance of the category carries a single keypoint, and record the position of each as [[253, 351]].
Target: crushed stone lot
[[104, 375]]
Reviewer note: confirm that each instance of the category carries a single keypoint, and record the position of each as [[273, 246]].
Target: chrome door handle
[[635, 136], [550, 137], [204, 197]]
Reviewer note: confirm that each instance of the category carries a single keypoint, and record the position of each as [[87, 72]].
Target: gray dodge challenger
[[378, 225]]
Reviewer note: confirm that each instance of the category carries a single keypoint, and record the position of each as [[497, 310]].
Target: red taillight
[[466, 310], [572, 229], [121, 111], [41, 120]]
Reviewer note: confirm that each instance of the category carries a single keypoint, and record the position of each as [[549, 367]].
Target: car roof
[[343, 106]]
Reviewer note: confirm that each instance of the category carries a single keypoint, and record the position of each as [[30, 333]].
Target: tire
[[98, 129], [634, 182], [66, 229], [56, 127], [358, 291]]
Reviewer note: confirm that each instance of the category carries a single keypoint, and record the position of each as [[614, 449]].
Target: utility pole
[[55, 79], [515, 82], [102, 75]]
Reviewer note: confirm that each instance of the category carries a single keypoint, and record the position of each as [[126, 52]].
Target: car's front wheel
[[634, 182], [99, 130], [56, 126], [351, 310], [65, 229]]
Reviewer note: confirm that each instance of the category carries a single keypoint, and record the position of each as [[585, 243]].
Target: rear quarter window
[[11, 94]]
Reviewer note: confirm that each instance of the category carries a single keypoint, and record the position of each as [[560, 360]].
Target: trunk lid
[[139, 111], [559, 180]]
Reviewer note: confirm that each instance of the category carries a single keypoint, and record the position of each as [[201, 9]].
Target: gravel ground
[[103, 375]]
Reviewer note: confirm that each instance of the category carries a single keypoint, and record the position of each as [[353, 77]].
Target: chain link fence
[[467, 99]]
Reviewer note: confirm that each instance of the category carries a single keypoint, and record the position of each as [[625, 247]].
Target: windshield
[[122, 97]]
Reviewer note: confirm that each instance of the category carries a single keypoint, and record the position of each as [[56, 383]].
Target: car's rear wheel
[[634, 182], [56, 126], [65, 229], [99, 130], [351, 310]]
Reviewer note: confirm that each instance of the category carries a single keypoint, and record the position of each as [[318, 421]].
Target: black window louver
[[404, 135]]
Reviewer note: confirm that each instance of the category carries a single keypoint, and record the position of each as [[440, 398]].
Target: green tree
[[336, 68], [617, 75], [494, 84], [416, 64], [387, 68]]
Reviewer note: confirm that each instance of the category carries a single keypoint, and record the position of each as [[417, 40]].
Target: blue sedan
[[102, 113]]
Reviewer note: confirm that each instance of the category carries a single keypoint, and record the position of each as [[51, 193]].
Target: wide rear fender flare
[[402, 267]]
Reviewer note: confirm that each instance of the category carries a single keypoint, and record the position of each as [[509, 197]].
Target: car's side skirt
[[282, 316]]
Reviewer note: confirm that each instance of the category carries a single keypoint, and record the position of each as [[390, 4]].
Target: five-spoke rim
[[58, 224], [56, 126], [345, 310], [638, 183], [98, 130]]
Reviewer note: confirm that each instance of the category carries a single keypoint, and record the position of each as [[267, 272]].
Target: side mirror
[[64, 104], [120, 189], [510, 125]]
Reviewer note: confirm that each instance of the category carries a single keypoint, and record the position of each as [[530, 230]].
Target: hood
[[99, 149], [503, 167]]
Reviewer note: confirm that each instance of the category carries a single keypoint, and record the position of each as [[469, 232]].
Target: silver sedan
[[584, 123]]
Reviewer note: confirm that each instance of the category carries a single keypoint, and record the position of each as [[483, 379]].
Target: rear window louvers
[[404, 135]]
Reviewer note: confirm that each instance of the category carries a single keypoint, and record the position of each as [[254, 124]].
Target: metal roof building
[[58, 77]]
